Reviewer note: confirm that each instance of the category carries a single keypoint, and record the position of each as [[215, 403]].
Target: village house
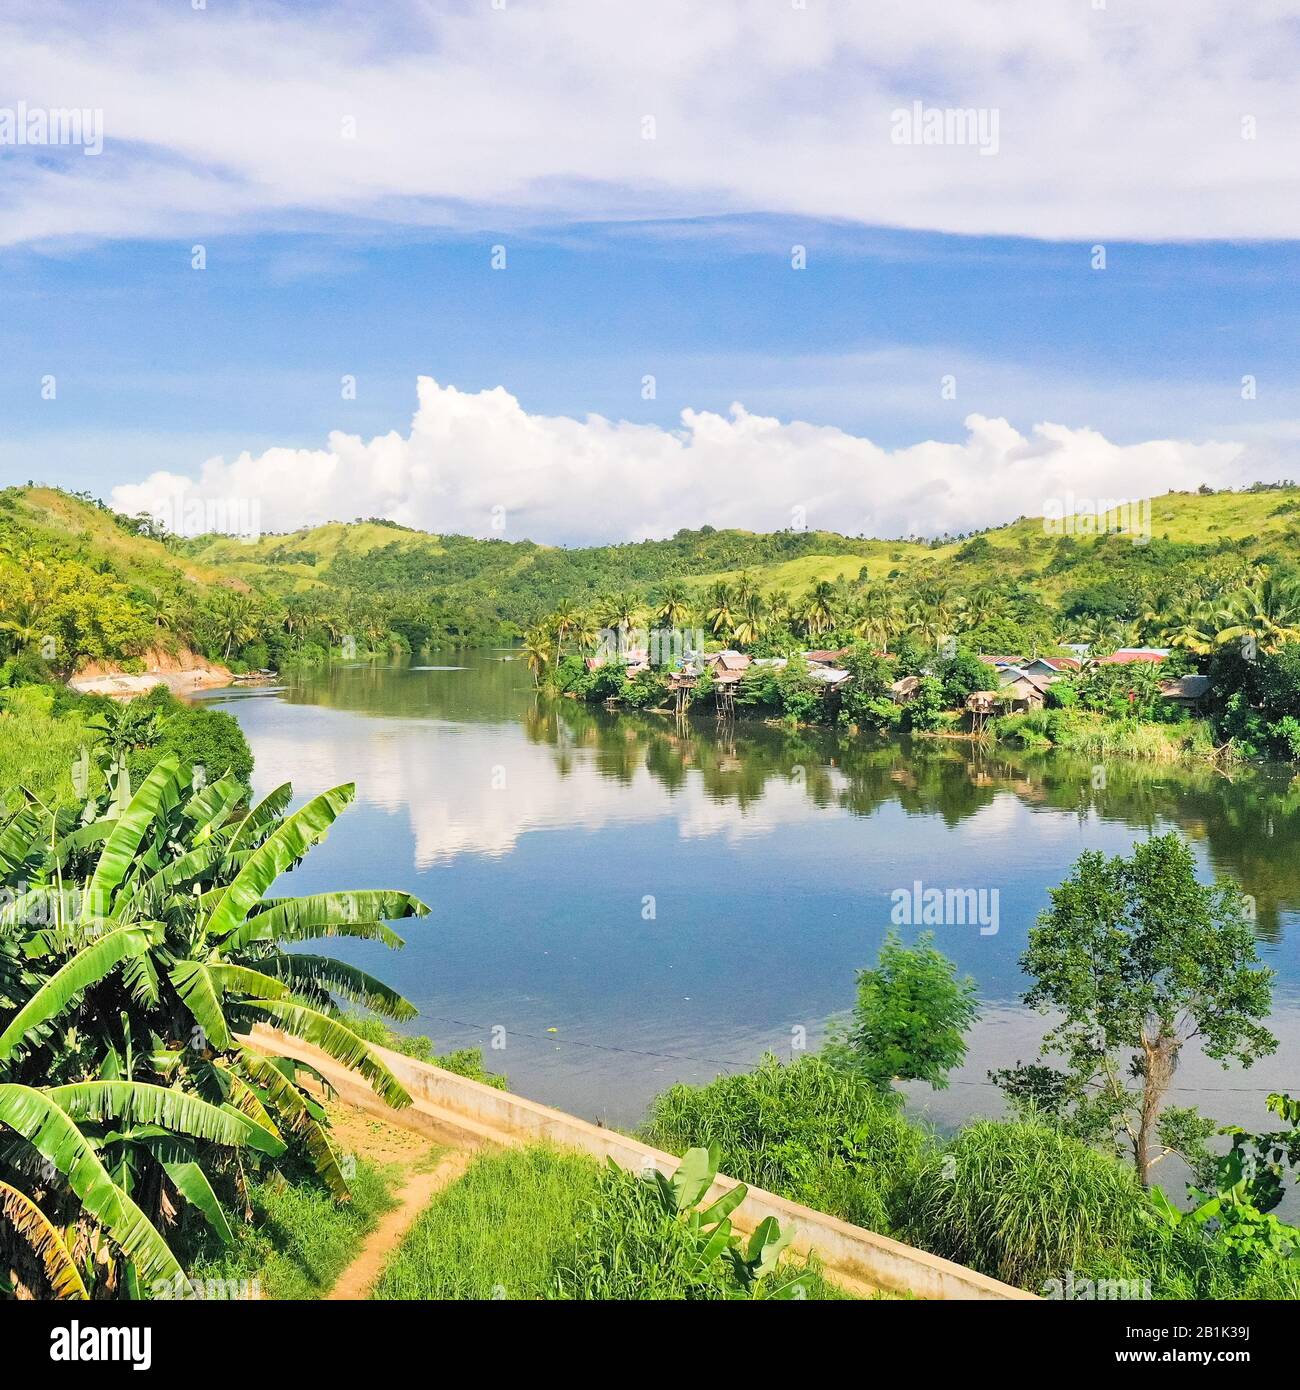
[[1127, 656], [1191, 692]]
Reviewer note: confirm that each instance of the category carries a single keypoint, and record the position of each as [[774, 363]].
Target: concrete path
[[363, 1273]]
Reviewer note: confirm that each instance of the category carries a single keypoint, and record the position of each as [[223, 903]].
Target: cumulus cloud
[[480, 464], [1173, 118]]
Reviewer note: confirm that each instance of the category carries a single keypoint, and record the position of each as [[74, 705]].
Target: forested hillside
[[79, 582]]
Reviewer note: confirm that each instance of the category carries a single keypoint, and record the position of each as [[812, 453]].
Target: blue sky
[[348, 174], [160, 365]]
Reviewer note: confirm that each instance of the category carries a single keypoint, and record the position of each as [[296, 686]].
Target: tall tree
[[1138, 958]]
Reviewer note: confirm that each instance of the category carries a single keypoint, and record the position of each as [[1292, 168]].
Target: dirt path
[[360, 1276]]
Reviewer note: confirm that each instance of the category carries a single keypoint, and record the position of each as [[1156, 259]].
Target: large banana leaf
[[239, 979], [47, 1245], [243, 1097], [86, 968], [283, 848], [39, 905], [140, 1103], [192, 1183], [335, 977], [159, 793], [339, 1041], [260, 818], [209, 808], [202, 998], [294, 919], [18, 841], [287, 1101], [56, 1137]]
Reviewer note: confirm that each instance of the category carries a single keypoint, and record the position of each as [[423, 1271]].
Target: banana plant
[[139, 945], [711, 1229]]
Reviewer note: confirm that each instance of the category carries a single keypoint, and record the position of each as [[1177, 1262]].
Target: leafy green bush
[[1024, 1203], [210, 738], [654, 1238], [924, 711], [804, 1130], [910, 1019]]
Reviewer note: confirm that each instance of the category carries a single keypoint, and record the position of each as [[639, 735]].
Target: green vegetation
[[47, 726], [806, 1130], [538, 1223], [38, 745], [502, 1230], [1024, 1203], [910, 1019], [1136, 958], [1216, 580], [136, 947], [1134, 955], [299, 1238]]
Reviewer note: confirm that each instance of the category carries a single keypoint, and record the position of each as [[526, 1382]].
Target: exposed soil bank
[[180, 671]]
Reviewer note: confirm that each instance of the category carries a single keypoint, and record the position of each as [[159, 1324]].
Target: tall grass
[[628, 1247], [1025, 1203], [804, 1130], [539, 1223], [37, 746], [299, 1239], [501, 1231], [1094, 735]]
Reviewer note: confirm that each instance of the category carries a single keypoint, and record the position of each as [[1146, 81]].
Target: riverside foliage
[[138, 946]]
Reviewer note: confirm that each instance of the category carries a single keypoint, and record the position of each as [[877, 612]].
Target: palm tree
[[744, 588], [718, 608], [817, 611], [674, 606], [1264, 616], [927, 624], [751, 622], [619, 611], [151, 952], [537, 652], [780, 605], [235, 619], [1191, 625], [984, 606], [875, 615], [562, 622]]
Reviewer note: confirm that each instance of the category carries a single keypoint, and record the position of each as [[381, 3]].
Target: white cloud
[[1123, 121], [557, 479]]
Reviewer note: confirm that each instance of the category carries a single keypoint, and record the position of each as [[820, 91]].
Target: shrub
[[630, 1245], [804, 1130], [924, 712], [910, 1019], [210, 738], [1025, 1203]]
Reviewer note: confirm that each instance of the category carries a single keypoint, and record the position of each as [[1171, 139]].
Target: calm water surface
[[537, 831]]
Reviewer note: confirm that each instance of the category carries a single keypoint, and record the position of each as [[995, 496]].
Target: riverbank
[[180, 672]]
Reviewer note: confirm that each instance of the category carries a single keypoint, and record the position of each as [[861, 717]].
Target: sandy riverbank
[[179, 672]]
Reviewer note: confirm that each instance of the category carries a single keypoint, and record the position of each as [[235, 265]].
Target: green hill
[[107, 589]]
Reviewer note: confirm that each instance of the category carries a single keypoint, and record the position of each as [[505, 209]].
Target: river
[[623, 904]]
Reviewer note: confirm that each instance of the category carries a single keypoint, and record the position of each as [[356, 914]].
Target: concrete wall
[[452, 1109]]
